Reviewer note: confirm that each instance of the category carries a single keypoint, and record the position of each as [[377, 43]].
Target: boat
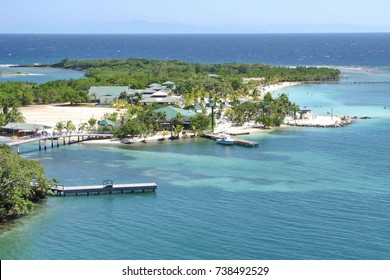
[[225, 140], [128, 141]]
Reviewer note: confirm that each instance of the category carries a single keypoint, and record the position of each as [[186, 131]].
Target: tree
[[22, 182], [132, 127], [69, 126], [200, 122], [177, 129], [164, 133], [92, 122], [295, 108], [15, 116], [60, 126]]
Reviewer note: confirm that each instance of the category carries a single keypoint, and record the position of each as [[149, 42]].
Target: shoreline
[[18, 74], [264, 89], [51, 114]]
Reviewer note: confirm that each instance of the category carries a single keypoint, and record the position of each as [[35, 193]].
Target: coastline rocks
[[321, 121]]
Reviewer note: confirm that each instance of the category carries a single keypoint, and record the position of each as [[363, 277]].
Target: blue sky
[[193, 16]]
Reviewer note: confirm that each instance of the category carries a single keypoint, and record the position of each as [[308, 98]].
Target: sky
[[193, 16]]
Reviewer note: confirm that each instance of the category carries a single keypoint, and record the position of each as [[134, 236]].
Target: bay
[[304, 193]]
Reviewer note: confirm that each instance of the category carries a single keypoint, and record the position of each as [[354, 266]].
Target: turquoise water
[[304, 193], [39, 75]]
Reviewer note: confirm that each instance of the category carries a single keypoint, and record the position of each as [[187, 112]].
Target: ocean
[[304, 193]]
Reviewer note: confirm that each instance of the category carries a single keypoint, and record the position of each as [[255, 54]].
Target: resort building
[[155, 93], [171, 113], [22, 129], [106, 95]]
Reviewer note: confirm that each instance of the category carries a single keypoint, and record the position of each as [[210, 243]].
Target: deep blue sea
[[304, 193]]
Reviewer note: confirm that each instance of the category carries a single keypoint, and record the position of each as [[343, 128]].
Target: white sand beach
[[52, 114], [310, 119], [274, 87]]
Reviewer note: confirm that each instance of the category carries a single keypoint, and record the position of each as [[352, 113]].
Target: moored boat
[[225, 140]]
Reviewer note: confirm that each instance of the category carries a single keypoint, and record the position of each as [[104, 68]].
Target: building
[[106, 95], [155, 93], [22, 129], [172, 112]]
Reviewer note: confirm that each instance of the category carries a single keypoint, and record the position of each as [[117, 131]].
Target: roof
[[212, 75], [106, 123], [155, 85], [168, 83], [159, 94], [113, 91], [149, 91], [159, 100], [171, 112], [197, 107], [26, 126]]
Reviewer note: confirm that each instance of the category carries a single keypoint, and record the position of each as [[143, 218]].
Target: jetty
[[237, 141], [107, 187], [44, 141]]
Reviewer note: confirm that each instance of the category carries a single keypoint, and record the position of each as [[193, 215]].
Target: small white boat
[[128, 141], [225, 140]]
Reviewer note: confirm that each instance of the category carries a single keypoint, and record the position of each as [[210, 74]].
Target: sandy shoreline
[[52, 114], [274, 87]]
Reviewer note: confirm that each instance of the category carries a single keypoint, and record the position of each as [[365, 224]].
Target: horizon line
[[192, 33]]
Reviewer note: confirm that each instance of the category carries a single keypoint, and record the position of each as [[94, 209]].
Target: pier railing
[[107, 187], [55, 137]]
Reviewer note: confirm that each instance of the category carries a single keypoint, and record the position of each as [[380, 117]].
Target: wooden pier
[[246, 143], [107, 187], [237, 141], [54, 140]]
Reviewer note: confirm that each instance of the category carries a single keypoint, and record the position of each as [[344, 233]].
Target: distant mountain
[[138, 27]]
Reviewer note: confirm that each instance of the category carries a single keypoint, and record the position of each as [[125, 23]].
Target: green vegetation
[[141, 72], [191, 78], [192, 81], [139, 121], [22, 182], [269, 111]]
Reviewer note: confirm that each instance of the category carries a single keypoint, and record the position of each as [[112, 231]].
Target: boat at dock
[[128, 141], [225, 140]]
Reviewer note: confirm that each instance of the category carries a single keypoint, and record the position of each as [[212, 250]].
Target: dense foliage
[[192, 80], [269, 111], [139, 73], [22, 182]]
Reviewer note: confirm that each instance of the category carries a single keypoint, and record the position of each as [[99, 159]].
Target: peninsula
[[144, 99], [133, 93]]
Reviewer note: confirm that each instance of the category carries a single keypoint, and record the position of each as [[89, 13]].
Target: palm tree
[[60, 126], [69, 126], [14, 115], [94, 97], [164, 133], [92, 122], [178, 129]]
